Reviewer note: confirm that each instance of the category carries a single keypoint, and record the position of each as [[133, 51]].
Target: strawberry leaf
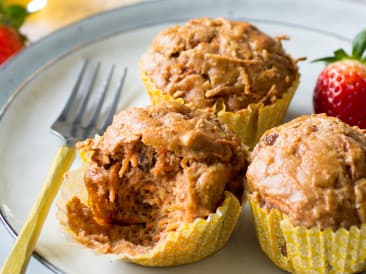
[[15, 14], [340, 54], [328, 59], [359, 44]]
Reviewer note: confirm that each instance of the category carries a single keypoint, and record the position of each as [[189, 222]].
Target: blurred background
[[49, 15]]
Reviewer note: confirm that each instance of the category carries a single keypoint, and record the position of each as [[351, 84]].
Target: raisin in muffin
[[307, 189], [230, 68], [163, 186]]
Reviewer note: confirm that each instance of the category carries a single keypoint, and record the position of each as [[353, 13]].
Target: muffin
[[162, 186], [229, 68], [307, 190]]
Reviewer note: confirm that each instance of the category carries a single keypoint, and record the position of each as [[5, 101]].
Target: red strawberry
[[11, 40], [341, 87]]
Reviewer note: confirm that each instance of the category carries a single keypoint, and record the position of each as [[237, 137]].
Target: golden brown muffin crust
[[208, 60], [314, 170], [153, 169]]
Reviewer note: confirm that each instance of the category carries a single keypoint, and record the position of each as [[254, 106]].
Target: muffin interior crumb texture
[[313, 169], [153, 169], [206, 61]]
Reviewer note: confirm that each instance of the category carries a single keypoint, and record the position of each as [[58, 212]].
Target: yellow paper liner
[[189, 243], [297, 249], [249, 123]]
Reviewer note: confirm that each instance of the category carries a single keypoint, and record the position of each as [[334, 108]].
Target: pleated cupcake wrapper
[[252, 122], [155, 94], [249, 123], [301, 250], [189, 243]]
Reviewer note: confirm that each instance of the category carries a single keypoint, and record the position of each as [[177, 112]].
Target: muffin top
[[314, 170], [191, 134], [154, 168], [207, 61]]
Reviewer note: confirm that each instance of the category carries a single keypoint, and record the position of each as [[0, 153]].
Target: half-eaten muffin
[[162, 186]]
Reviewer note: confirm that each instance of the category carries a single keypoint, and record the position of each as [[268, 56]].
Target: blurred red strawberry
[[341, 92], [341, 87], [11, 40]]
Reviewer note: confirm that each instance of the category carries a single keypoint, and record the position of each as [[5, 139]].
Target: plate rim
[[67, 30]]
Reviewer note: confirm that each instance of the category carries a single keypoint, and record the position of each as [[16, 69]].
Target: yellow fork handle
[[18, 258]]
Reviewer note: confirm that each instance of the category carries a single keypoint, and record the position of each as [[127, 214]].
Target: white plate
[[42, 77]]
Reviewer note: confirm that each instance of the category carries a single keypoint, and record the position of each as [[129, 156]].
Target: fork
[[71, 130]]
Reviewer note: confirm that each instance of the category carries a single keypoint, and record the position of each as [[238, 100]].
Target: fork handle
[[18, 258]]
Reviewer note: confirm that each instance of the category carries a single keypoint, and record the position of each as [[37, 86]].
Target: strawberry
[[340, 89], [11, 40]]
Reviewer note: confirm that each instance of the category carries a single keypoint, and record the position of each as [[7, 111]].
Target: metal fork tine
[[86, 96], [65, 112], [98, 106], [72, 130], [112, 109]]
